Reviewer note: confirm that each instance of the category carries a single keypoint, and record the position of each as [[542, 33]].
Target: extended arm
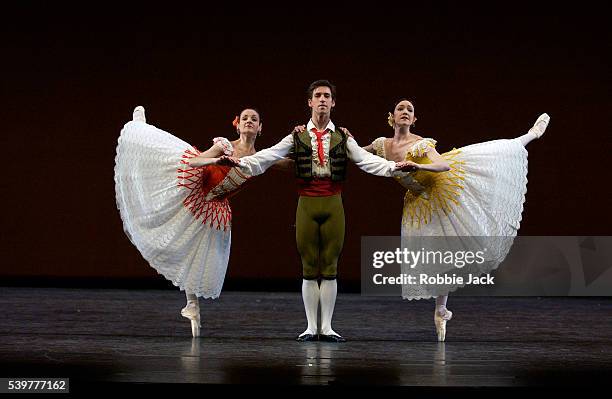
[[370, 148], [438, 164], [368, 162], [208, 157], [259, 162], [285, 165]]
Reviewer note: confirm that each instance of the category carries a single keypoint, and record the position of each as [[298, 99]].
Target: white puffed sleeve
[[259, 162], [369, 162]]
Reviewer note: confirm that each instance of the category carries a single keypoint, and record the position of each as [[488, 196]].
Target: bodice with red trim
[[209, 188]]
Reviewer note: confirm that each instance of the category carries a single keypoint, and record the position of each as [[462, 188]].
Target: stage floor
[[112, 336]]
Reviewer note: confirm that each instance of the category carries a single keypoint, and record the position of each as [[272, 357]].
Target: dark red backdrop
[[71, 82]]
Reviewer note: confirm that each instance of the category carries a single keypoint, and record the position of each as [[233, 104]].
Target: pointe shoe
[[540, 125], [139, 114], [192, 312], [440, 322]]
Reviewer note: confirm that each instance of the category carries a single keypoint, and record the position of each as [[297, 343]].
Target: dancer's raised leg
[[538, 129]]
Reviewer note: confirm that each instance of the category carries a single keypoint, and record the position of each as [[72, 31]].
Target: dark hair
[[254, 109], [322, 83], [402, 99]]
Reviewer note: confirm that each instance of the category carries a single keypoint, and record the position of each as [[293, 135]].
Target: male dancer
[[320, 153]]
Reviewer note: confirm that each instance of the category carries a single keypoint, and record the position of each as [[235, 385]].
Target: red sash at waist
[[318, 187]]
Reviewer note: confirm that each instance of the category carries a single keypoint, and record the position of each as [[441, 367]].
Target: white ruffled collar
[[325, 139]]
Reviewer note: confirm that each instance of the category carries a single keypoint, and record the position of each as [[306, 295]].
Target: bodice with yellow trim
[[428, 192]]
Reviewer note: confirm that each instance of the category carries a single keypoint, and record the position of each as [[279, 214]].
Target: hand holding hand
[[228, 161], [407, 166]]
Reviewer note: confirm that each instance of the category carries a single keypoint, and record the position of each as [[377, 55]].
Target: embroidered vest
[[302, 154]]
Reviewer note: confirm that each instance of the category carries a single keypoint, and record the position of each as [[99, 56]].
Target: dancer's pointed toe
[[440, 319], [139, 114], [192, 312], [540, 125]]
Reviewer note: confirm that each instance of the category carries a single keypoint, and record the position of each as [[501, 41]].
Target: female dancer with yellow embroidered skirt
[[473, 191], [173, 200]]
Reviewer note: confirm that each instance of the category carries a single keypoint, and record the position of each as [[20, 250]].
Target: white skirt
[[191, 254], [481, 197]]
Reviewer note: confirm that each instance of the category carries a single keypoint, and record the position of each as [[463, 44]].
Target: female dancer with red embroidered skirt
[[173, 200]]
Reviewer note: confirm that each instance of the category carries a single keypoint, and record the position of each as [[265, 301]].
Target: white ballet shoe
[[440, 322], [192, 312], [139, 114], [540, 125]]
